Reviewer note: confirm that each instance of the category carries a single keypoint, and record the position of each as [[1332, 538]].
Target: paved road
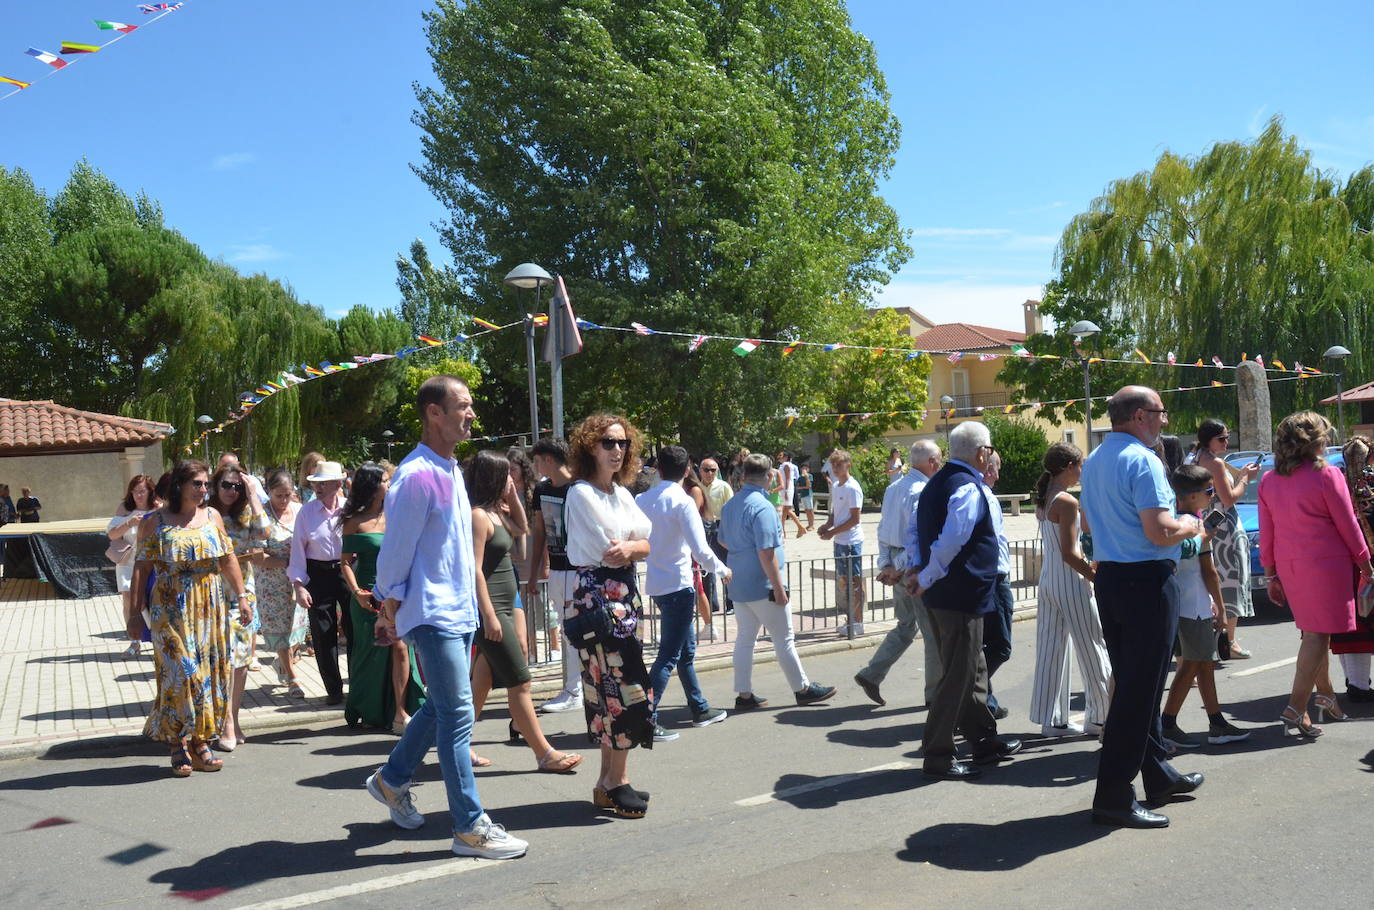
[[800, 807]]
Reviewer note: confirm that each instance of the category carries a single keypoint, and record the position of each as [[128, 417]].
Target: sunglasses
[[201, 484], [230, 485], [610, 445]]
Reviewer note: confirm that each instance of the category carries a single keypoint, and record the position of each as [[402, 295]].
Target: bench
[[1013, 501], [821, 501]]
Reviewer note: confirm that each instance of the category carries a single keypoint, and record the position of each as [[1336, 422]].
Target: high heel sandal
[[626, 802], [1296, 723], [515, 736], [602, 800], [202, 759], [181, 761], [1328, 708]]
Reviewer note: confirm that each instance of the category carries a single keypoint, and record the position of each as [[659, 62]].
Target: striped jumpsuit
[[1066, 622]]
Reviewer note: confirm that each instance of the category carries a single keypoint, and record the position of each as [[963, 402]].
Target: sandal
[[563, 764], [295, 691], [202, 759], [601, 800], [626, 803], [181, 761], [1328, 708], [478, 761], [1239, 653], [1296, 723]]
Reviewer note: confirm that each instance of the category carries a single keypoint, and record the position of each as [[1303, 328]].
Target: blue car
[[1247, 507]]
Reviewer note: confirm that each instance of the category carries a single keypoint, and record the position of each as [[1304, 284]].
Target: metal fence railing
[[816, 601]]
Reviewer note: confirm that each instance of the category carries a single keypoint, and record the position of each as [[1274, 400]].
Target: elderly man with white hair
[[955, 571], [899, 508]]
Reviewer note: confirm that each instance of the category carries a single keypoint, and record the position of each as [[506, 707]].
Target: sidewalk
[[66, 679]]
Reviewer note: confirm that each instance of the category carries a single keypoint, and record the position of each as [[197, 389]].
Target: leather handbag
[[590, 627]]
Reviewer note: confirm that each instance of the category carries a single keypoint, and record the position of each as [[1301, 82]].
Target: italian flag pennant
[[115, 26], [1019, 350], [746, 347]]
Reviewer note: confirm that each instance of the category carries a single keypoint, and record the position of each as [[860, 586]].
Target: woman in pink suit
[[1308, 541]]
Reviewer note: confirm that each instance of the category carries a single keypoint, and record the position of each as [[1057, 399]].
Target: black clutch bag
[[590, 627]]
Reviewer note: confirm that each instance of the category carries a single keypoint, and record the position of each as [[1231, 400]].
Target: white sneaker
[[854, 628], [489, 840], [707, 633], [1092, 729], [1069, 729], [563, 701], [397, 800]]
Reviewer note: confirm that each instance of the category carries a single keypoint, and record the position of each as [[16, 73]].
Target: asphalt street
[[822, 806]]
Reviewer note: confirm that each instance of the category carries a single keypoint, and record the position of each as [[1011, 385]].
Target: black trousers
[[961, 695], [328, 598], [708, 579], [1138, 603], [997, 631]]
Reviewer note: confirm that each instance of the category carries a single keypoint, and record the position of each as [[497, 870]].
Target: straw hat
[[327, 470]]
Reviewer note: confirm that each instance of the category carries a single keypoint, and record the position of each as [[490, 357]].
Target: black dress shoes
[[993, 749], [1185, 784], [870, 689], [1137, 816], [957, 771]]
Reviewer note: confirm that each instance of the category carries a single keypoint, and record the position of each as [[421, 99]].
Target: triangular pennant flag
[[878, 352], [1094, 360], [1019, 350], [115, 26], [1199, 362], [951, 412], [1216, 361], [1141, 354], [312, 371], [912, 355], [745, 347], [1217, 383], [585, 324], [541, 320], [1279, 363], [1242, 357], [51, 60], [790, 421], [432, 342], [1008, 408], [72, 47], [984, 358], [641, 329], [789, 349], [1172, 359], [489, 326], [955, 357], [697, 341], [1259, 359], [8, 81], [833, 347]]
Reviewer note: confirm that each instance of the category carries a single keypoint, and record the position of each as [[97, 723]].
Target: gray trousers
[[961, 694], [911, 614]]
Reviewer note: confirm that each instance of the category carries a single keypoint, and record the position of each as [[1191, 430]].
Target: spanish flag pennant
[[486, 325], [951, 412], [1279, 364], [1094, 360], [1071, 402], [1217, 383], [1008, 409], [791, 420], [893, 413], [878, 352], [432, 342], [312, 371], [1243, 358], [1199, 363], [541, 319], [788, 350], [1141, 354]]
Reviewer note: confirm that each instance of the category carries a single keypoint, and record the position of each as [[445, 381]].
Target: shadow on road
[[104, 776], [861, 786], [888, 737], [1001, 847], [833, 716]]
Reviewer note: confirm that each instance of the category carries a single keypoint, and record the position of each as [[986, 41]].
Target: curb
[[548, 683]]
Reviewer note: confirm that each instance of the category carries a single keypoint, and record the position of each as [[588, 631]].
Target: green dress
[[370, 699]]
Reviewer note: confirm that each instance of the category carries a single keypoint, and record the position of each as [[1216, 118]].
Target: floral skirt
[[616, 696]]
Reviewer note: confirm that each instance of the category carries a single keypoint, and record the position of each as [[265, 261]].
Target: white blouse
[[593, 519]]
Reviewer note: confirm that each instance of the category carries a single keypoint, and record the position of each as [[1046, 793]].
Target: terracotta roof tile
[[41, 427], [962, 336]]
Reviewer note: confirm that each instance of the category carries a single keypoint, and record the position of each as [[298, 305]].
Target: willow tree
[[1245, 249], [694, 165]]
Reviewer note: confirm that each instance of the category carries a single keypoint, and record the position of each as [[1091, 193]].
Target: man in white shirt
[[899, 509], [677, 536], [788, 470], [316, 545], [842, 528], [718, 493]]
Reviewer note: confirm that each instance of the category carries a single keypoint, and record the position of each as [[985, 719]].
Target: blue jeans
[[848, 559], [677, 648], [445, 721], [997, 632]]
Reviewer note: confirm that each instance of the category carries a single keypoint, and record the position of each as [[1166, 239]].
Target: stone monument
[[1256, 430]]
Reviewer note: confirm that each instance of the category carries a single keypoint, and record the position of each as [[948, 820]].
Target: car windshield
[[1251, 494]]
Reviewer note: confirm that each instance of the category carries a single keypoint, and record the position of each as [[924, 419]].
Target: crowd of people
[[422, 567]]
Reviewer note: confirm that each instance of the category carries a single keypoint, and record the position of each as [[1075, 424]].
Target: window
[[1071, 437]]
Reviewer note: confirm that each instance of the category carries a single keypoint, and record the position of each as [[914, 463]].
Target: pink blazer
[[1308, 515]]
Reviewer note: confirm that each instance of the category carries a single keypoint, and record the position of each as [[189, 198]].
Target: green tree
[[691, 165], [408, 418], [1247, 248], [1022, 446], [865, 382], [24, 245]]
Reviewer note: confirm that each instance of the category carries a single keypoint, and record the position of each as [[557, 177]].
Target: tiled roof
[[1358, 393], [42, 427], [962, 336]]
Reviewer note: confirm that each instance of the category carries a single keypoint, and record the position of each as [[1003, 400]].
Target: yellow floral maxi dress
[[190, 631]]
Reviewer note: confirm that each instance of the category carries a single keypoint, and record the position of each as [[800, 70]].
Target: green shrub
[[1022, 446], [870, 468]]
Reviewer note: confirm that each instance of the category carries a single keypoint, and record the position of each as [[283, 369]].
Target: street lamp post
[[1081, 330], [946, 402], [205, 420], [388, 437], [1338, 353], [524, 277]]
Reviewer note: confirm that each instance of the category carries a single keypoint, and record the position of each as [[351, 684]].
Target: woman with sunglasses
[[1230, 545], [246, 524], [384, 687], [284, 621], [197, 577], [607, 534]]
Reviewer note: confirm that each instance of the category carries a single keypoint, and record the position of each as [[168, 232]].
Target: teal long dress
[[371, 701]]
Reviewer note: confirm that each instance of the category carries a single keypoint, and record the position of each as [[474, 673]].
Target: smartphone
[[771, 598], [1214, 520]]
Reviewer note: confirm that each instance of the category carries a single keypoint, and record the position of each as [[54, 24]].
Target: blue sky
[[278, 136]]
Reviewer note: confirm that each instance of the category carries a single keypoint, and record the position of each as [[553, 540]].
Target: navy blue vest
[[971, 583]]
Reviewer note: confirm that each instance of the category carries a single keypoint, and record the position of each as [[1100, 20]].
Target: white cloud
[[996, 305], [255, 252], [232, 160]]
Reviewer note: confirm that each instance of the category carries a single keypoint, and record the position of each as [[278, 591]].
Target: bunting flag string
[[78, 50]]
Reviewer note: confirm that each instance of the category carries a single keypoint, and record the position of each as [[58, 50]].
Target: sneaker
[[489, 840], [563, 701], [1226, 732], [750, 703], [664, 736], [1175, 737], [708, 633], [403, 812], [708, 717], [1092, 729], [814, 692]]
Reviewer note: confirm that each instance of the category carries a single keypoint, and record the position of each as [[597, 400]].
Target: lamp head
[[205, 420], [1337, 352], [946, 400], [526, 276], [1084, 328]]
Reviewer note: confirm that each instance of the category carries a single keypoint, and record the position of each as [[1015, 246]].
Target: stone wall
[[88, 485]]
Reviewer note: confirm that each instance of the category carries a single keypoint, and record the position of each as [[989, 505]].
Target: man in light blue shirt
[[1136, 541], [752, 535], [426, 574], [899, 510]]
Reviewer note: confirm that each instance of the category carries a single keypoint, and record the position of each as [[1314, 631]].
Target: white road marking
[[822, 784], [1287, 661], [309, 898]]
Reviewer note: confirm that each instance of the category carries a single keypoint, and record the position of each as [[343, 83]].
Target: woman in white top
[[123, 532], [607, 534], [1066, 614]]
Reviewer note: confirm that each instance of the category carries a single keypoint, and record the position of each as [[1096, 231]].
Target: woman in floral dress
[[184, 543], [284, 621]]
